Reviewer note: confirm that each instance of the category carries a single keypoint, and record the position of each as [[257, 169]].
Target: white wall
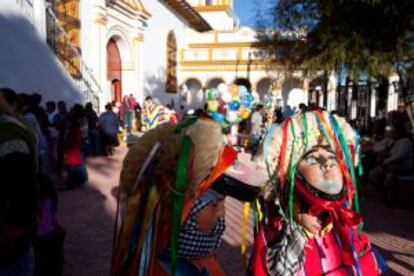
[[219, 20], [154, 58], [87, 39], [26, 62]]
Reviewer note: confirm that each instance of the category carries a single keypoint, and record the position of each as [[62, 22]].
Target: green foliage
[[372, 37]]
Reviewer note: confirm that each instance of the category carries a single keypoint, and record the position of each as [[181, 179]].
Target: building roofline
[[190, 14]]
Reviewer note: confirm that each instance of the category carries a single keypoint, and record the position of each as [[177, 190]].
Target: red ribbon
[[341, 217]]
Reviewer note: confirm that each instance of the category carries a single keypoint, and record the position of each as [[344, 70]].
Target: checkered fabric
[[287, 256], [192, 243]]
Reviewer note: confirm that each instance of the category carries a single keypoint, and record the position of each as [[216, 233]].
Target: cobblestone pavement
[[88, 215]]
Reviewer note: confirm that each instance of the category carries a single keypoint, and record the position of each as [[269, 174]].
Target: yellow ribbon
[[259, 211], [243, 245]]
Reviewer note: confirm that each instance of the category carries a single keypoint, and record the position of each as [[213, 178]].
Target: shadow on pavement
[[392, 232]]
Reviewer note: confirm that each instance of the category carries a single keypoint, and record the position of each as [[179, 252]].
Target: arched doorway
[[114, 70], [293, 94], [213, 83], [263, 89], [245, 82], [194, 87]]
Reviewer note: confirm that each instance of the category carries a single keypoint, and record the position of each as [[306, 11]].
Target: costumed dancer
[[312, 225], [153, 114], [172, 188]]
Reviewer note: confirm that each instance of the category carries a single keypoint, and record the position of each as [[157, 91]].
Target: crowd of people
[[31, 237], [389, 152]]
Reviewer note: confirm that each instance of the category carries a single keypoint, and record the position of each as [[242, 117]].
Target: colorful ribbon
[[178, 201], [342, 218], [243, 245]]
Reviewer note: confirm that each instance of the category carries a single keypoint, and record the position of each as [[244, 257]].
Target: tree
[[369, 37]]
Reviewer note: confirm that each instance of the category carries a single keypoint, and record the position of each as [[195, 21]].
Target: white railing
[[84, 79]]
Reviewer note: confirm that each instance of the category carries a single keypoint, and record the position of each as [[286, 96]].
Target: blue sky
[[246, 10]]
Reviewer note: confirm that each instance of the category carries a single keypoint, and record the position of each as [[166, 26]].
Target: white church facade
[[169, 49]]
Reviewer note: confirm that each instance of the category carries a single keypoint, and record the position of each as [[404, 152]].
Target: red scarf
[[342, 218]]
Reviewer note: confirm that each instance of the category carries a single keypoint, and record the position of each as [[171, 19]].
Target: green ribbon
[[350, 165], [348, 159], [292, 171], [178, 201], [305, 130], [255, 218], [188, 122]]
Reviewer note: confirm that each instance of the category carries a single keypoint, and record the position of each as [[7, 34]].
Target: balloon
[[244, 113], [234, 90], [222, 107], [212, 105], [229, 104], [231, 116], [226, 97], [219, 117], [251, 99], [245, 101], [243, 90], [222, 87], [211, 94], [234, 105]]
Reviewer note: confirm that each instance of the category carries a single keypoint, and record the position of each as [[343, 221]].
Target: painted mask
[[319, 168]]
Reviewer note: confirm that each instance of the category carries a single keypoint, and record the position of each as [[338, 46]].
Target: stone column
[[331, 92], [137, 44]]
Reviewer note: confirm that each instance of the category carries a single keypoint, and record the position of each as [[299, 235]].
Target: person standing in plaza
[[74, 158], [53, 135], [109, 125], [127, 113], [19, 198], [138, 117], [154, 114], [60, 122], [132, 103], [256, 128], [93, 122]]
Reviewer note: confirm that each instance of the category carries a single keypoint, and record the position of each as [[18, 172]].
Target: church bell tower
[[218, 13]]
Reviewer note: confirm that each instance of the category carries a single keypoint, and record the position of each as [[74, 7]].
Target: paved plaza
[[88, 217]]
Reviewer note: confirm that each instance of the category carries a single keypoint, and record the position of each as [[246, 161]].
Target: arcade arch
[[293, 93], [245, 82], [195, 97], [214, 82], [263, 89]]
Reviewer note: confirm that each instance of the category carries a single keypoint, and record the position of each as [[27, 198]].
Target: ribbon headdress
[[288, 142], [162, 176], [285, 145]]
